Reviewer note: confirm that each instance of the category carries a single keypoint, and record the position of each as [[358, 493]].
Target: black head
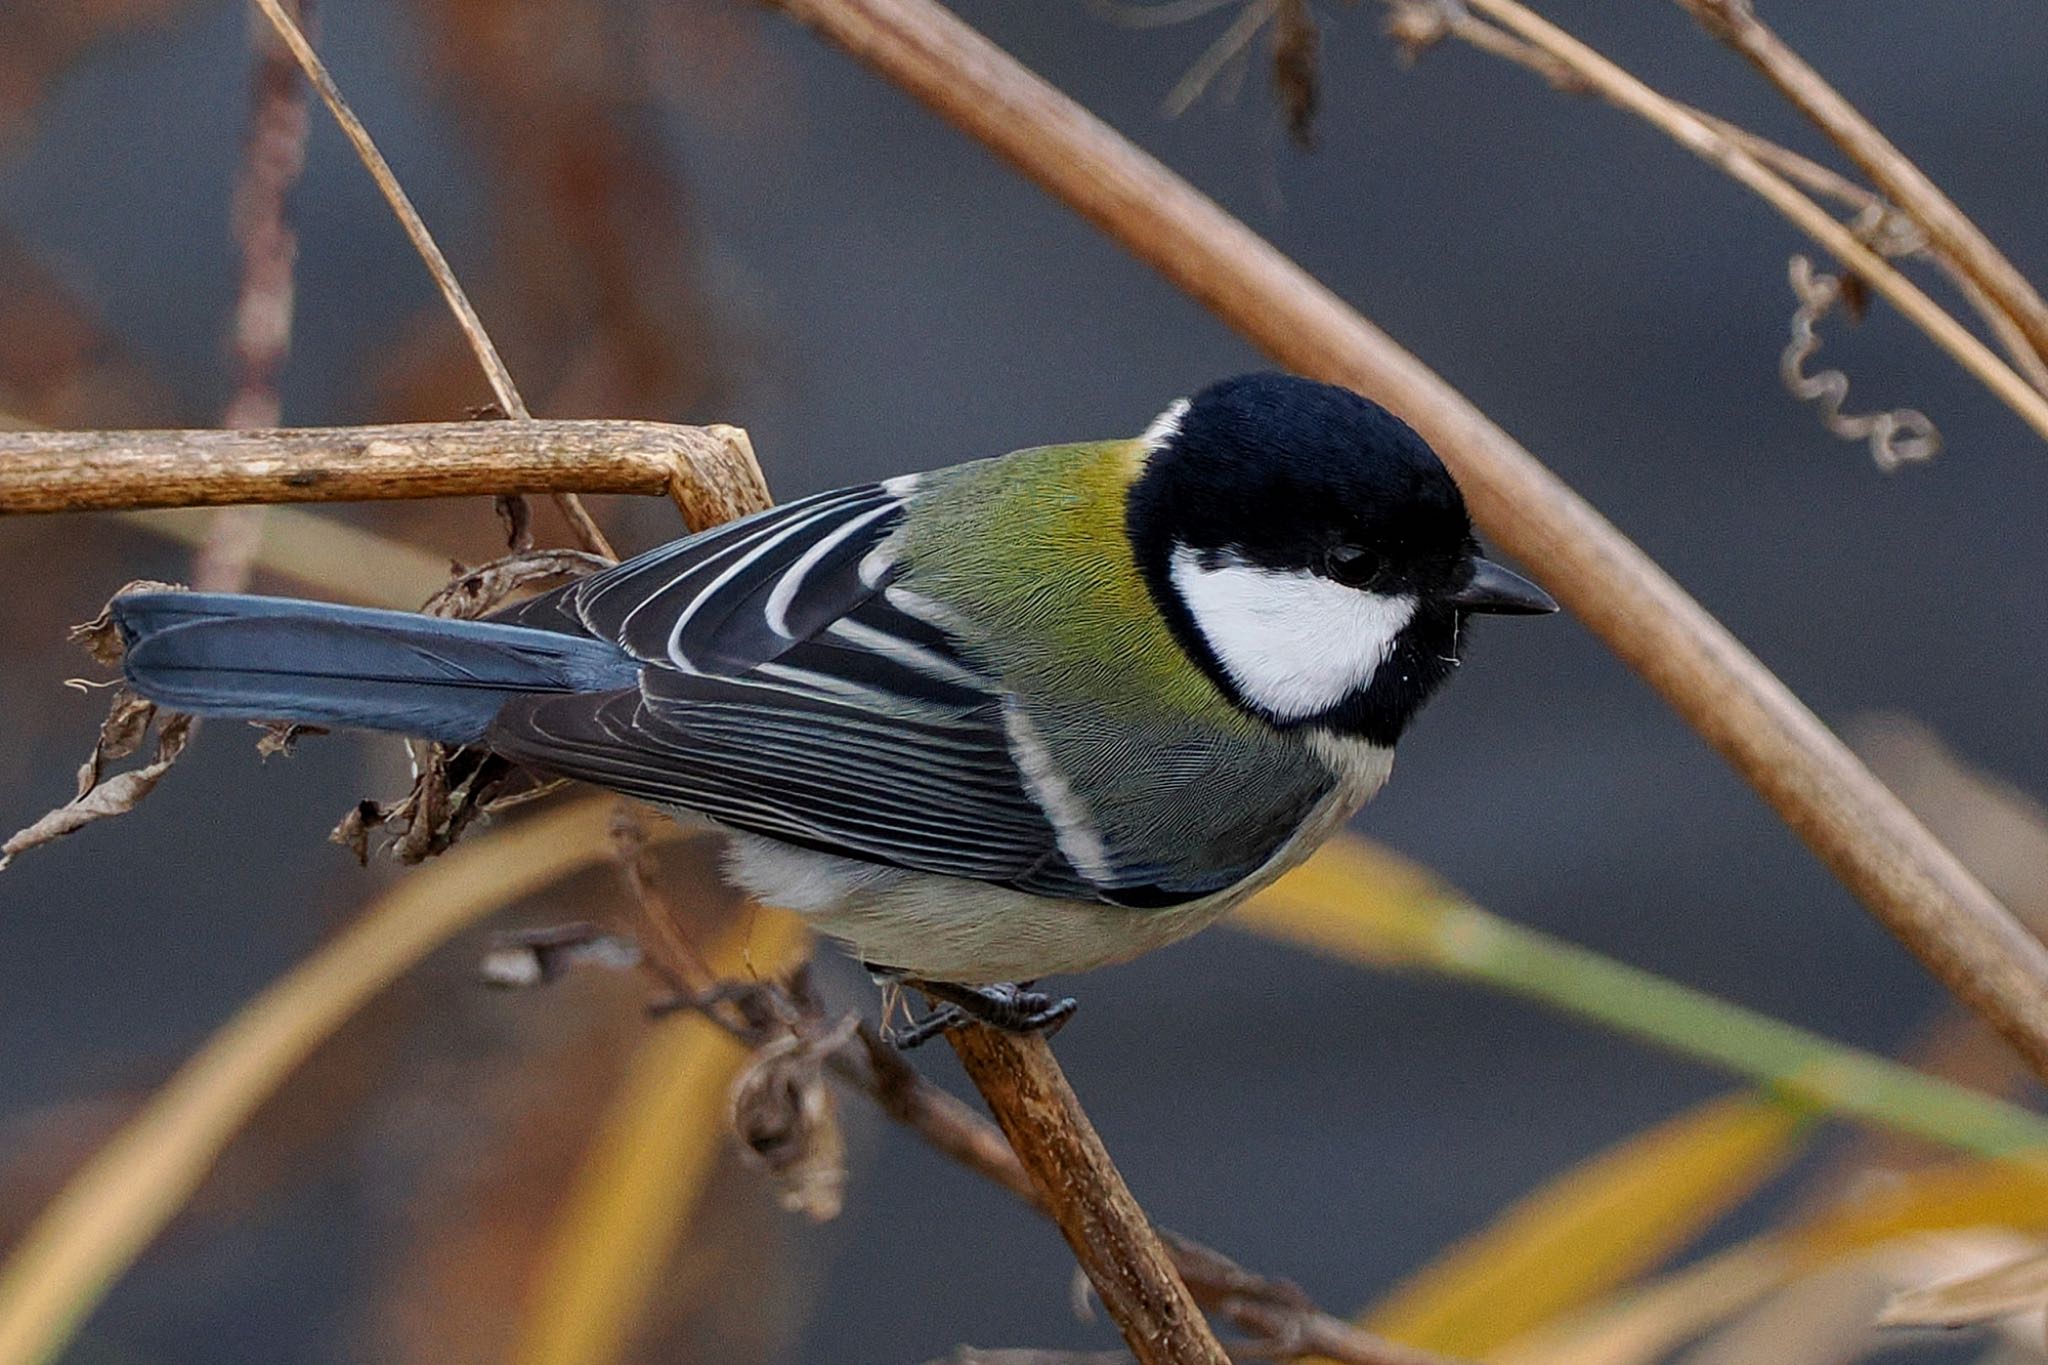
[[1312, 553]]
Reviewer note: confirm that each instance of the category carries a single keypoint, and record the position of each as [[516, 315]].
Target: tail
[[273, 658]]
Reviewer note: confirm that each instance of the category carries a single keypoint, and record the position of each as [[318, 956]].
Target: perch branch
[[765, 1014], [1857, 827], [1276, 1313], [506, 392], [709, 471], [1086, 1196], [1735, 23]]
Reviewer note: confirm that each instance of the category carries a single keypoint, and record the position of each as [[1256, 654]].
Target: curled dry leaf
[[282, 737], [450, 791], [117, 795], [2017, 1287], [488, 586], [784, 1112], [128, 723]]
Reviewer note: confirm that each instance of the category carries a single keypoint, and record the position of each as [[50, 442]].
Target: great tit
[[1022, 716]]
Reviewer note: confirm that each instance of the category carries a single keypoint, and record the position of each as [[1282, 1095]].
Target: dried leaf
[[100, 637], [280, 738], [783, 1111], [2019, 1287], [121, 734], [485, 588], [116, 796]]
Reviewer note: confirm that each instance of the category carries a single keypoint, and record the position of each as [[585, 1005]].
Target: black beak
[[1494, 589]]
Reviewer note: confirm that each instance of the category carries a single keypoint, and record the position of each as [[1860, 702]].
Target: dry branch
[[709, 471], [1734, 22], [1086, 1196], [1858, 828]]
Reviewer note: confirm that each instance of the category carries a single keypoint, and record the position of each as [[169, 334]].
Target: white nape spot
[[1293, 642], [1164, 427]]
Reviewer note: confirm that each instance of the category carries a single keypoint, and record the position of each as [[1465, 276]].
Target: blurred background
[[691, 210]]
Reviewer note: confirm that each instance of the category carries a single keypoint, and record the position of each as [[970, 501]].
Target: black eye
[[1352, 565]]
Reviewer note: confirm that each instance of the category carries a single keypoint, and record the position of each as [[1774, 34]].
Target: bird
[[1014, 718]]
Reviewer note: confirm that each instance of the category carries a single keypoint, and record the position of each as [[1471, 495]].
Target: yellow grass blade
[[1594, 1228], [131, 1187], [645, 1171]]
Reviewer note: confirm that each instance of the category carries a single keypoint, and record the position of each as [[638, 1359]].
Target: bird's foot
[[1011, 1008]]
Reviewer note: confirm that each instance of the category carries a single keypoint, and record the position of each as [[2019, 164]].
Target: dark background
[[878, 296]]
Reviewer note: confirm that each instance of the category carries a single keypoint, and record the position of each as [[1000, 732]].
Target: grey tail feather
[[274, 658]]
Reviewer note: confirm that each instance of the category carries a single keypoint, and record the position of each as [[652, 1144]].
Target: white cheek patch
[[1294, 643]]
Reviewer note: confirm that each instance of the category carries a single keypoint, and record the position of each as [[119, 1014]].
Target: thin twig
[[1857, 827], [1416, 24], [1734, 22], [1706, 141], [710, 472], [507, 393]]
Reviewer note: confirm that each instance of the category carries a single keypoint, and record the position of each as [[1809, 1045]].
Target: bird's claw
[[1013, 1009]]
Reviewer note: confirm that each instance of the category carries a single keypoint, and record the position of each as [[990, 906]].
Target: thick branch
[[1734, 22], [1857, 827], [1086, 1195], [709, 471]]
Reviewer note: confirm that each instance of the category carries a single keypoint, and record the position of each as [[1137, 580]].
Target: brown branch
[[507, 393], [1857, 827], [709, 471], [1085, 1195], [1734, 22]]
